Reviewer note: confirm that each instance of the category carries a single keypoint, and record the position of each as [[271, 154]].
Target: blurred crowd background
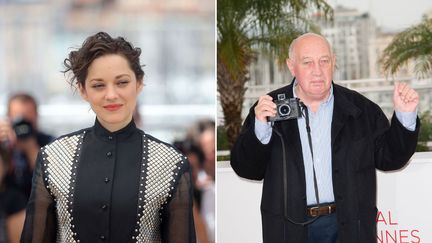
[[177, 42], [177, 104]]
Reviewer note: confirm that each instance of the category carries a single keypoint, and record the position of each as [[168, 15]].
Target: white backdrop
[[404, 204]]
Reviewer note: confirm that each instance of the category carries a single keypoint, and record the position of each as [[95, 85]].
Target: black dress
[[97, 186]]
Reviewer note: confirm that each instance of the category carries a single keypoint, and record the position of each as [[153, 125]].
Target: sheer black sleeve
[[177, 218], [40, 224]]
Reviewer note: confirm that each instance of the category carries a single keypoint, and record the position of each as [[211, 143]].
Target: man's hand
[[30, 148], [265, 108], [405, 99], [7, 134]]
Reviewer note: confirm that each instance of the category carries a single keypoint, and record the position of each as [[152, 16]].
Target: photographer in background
[[319, 168], [12, 206], [19, 133]]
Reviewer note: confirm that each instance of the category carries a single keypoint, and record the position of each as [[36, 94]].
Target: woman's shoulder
[[164, 150], [159, 143], [69, 138]]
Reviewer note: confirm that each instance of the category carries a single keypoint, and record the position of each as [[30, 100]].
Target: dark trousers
[[323, 230]]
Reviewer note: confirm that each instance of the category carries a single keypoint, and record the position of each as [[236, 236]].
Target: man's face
[[312, 64], [23, 109]]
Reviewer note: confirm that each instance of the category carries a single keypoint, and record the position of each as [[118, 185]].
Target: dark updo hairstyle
[[96, 46]]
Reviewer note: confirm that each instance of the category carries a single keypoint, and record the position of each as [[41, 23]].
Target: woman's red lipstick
[[112, 107]]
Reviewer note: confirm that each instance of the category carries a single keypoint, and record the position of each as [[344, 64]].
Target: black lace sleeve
[[177, 217], [40, 224]]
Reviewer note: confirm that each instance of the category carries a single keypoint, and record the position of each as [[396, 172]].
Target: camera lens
[[284, 110], [23, 128]]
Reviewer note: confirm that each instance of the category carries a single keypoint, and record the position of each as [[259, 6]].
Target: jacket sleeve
[[249, 157], [40, 224], [395, 145], [177, 219]]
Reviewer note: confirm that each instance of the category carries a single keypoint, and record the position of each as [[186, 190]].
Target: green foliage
[[415, 43], [245, 27], [222, 143], [253, 25], [425, 134], [222, 139]]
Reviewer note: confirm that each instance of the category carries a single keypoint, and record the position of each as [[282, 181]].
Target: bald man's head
[[312, 63], [292, 48]]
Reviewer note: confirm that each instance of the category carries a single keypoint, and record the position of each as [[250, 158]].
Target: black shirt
[[106, 192], [12, 201]]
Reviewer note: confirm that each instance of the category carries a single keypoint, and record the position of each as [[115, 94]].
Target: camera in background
[[23, 128]]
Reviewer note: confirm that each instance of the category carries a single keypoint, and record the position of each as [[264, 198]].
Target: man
[[20, 134], [320, 186], [207, 177]]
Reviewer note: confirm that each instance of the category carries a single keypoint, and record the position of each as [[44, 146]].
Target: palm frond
[[411, 44], [423, 66]]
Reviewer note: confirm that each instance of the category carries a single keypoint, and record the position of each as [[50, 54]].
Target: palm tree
[[246, 27], [415, 43], [425, 134]]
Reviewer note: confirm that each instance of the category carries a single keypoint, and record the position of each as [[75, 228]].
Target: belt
[[322, 210]]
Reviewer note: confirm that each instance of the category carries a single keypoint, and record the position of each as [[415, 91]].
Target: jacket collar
[[343, 110], [343, 104]]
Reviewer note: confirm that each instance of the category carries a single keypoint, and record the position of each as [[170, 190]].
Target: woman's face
[[111, 89]]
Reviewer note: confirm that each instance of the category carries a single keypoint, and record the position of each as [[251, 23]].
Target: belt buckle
[[314, 211]]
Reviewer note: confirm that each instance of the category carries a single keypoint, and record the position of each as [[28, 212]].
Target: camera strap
[[285, 175], [311, 150]]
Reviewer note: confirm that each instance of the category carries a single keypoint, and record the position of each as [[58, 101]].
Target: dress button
[[109, 154], [102, 237], [106, 180], [110, 137], [104, 207]]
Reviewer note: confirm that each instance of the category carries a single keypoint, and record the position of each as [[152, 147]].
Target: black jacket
[[362, 141]]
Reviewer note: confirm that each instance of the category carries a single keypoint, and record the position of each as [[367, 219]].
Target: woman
[[111, 182]]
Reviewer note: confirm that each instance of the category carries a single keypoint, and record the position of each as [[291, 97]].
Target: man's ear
[[82, 91], [290, 66]]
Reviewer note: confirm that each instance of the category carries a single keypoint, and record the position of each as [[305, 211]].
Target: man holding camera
[[19, 134], [318, 153]]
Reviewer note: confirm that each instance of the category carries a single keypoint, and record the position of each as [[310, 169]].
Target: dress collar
[[119, 135]]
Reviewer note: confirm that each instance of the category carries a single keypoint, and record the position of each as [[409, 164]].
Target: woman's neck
[[114, 127]]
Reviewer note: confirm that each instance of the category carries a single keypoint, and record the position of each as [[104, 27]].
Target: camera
[[286, 108], [23, 128]]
